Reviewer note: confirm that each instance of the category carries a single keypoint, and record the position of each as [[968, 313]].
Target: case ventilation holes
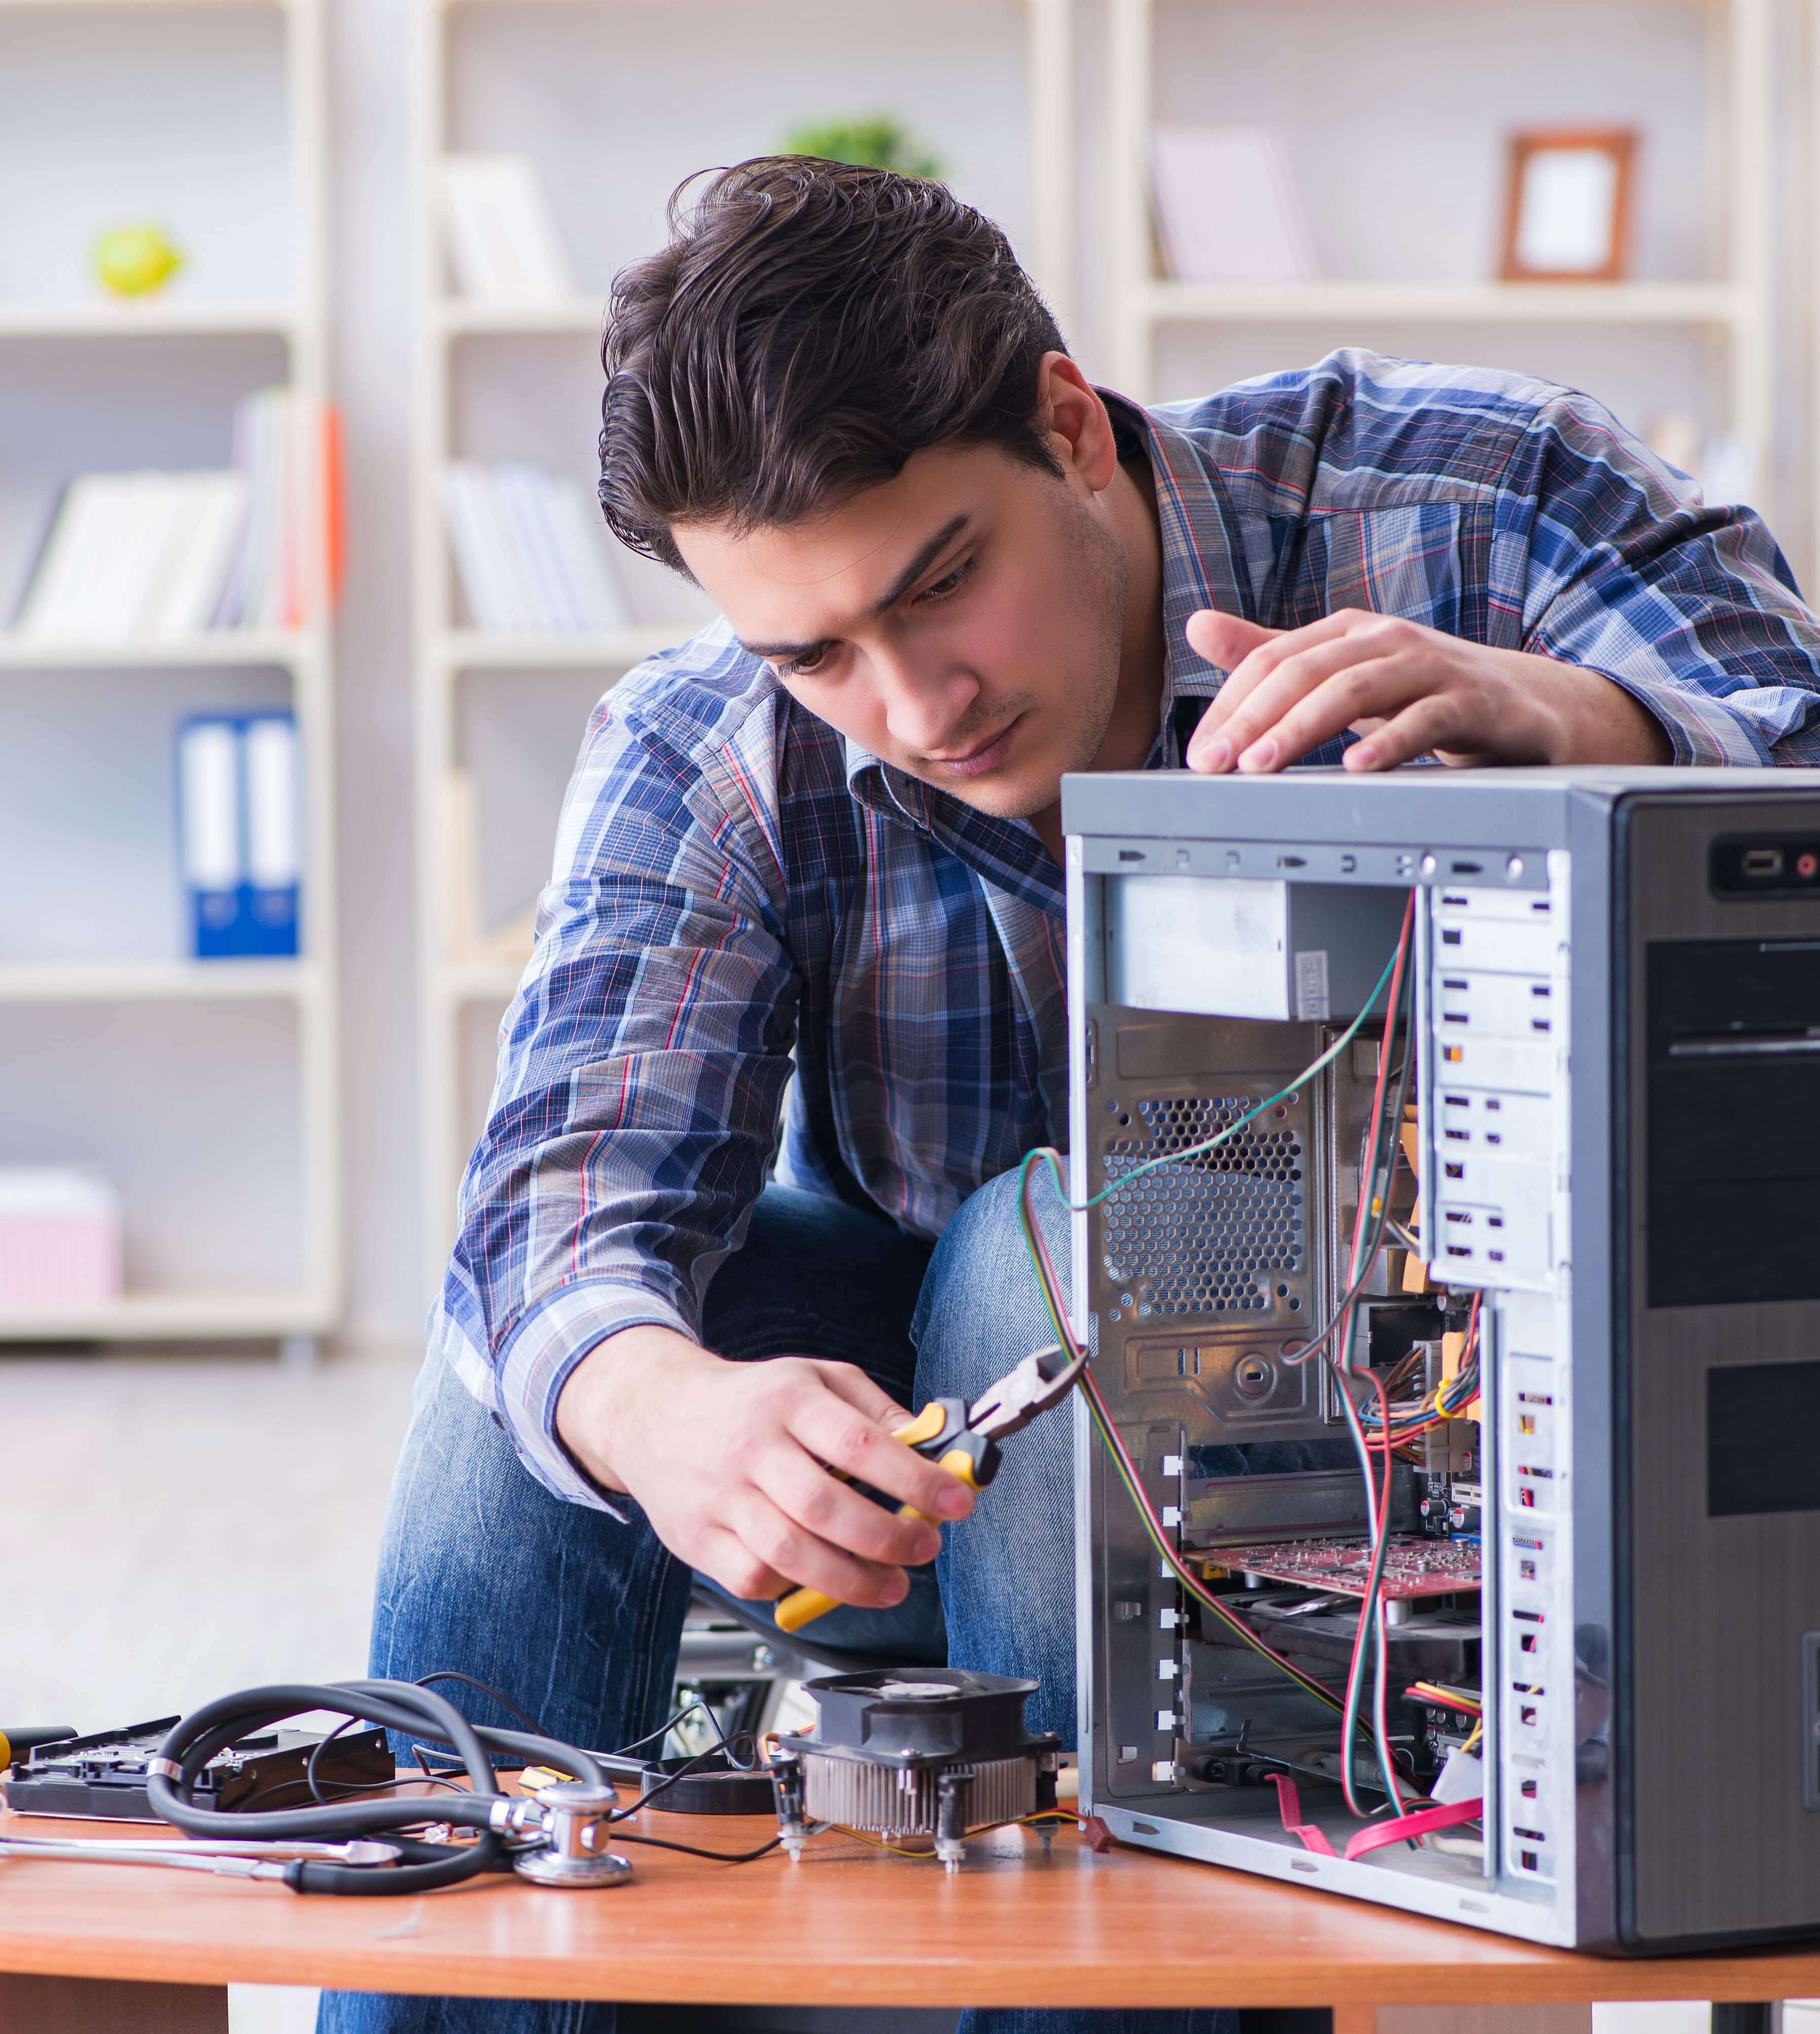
[[1205, 1237]]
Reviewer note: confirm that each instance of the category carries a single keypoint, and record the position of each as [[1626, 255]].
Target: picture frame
[[1568, 205]]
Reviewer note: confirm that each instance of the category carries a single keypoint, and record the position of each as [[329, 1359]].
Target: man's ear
[[1075, 421]]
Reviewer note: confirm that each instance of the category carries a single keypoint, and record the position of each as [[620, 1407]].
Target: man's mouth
[[985, 756]]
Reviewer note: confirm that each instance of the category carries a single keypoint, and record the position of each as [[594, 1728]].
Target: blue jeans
[[577, 1617]]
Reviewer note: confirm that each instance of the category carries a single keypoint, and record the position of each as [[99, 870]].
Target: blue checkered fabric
[[760, 944]]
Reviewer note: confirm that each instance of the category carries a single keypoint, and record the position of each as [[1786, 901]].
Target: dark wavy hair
[[809, 326]]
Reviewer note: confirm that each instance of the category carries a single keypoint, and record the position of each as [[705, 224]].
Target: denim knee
[[981, 1308]]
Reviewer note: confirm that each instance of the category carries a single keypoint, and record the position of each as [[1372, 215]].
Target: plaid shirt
[[739, 893]]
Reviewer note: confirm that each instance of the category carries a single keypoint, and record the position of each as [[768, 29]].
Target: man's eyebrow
[[921, 563], [925, 557]]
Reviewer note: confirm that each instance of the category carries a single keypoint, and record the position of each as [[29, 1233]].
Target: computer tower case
[[1611, 1142]]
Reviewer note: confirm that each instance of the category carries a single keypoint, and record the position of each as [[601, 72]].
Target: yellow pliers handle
[[941, 1425]]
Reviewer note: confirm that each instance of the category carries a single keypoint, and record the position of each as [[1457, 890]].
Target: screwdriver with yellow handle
[[963, 1440]]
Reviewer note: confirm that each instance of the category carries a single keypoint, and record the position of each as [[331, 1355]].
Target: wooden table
[[100, 1948]]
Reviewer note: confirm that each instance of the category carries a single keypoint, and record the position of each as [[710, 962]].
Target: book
[[502, 241], [1227, 207], [212, 509], [530, 551], [288, 561]]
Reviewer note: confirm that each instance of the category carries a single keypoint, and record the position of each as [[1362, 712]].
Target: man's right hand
[[730, 1462]]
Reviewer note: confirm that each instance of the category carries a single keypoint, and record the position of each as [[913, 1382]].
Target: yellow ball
[[135, 260]]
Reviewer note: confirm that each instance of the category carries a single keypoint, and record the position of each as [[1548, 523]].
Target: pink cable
[[1378, 1834]]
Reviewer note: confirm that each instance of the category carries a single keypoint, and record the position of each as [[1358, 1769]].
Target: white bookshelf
[[493, 73], [1713, 328], [210, 1090]]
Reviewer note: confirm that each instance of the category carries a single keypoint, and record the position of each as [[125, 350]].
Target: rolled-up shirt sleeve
[[1614, 563], [641, 1065]]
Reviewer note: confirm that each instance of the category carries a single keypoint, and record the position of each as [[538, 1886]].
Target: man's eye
[[949, 583], [805, 666]]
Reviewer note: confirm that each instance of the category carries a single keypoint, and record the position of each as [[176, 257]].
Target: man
[[808, 870]]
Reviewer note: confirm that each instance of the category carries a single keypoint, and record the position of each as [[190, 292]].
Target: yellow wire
[[877, 1843]]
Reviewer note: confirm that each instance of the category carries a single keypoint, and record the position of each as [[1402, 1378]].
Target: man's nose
[[923, 705]]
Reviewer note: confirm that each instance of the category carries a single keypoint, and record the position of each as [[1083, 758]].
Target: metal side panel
[[1713, 1733]]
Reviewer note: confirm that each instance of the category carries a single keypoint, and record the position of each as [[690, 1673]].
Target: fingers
[[1232, 722], [1310, 697], [783, 1546], [1225, 639], [1421, 727], [834, 1432], [835, 1512], [723, 1557], [847, 1381]]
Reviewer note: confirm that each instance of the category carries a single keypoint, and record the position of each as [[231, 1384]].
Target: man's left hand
[[1409, 691]]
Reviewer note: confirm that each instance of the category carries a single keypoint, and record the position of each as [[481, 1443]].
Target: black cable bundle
[[418, 1712]]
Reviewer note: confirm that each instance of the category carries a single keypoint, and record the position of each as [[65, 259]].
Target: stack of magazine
[[153, 558], [502, 243], [531, 551]]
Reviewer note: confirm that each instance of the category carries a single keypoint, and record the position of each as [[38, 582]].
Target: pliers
[[963, 1440]]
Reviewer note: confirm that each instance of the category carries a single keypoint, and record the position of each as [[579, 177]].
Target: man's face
[[963, 621]]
